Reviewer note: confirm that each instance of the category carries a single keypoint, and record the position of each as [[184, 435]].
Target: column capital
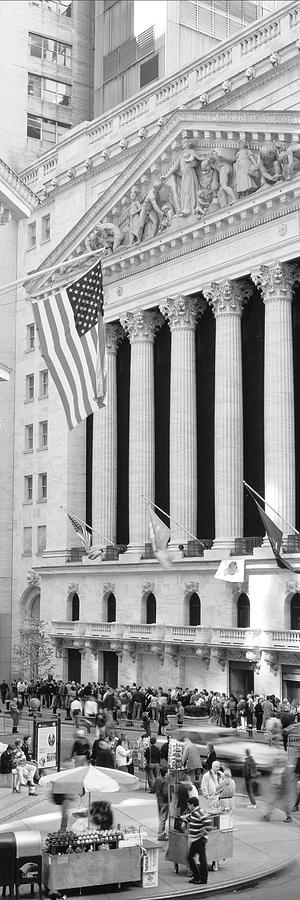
[[276, 281], [182, 312], [114, 334], [227, 298], [141, 325]]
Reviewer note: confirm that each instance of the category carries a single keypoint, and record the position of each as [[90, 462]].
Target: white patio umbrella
[[74, 782]]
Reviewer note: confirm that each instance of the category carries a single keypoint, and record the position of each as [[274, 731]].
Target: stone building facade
[[191, 191]]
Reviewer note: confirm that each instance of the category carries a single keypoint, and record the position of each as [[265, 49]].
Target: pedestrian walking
[[152, 757], [280, 787], [250, 772], [297, 775], [161, 787]]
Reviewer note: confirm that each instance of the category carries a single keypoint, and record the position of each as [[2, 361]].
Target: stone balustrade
[[178, 635], [236, 54]]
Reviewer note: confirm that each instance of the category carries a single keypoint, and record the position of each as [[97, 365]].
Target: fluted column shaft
[[141, 327], [181, 314], [105, 447], [226, 300], [276, 283]]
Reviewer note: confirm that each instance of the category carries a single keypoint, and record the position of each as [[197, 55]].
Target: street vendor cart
[[220, 838]]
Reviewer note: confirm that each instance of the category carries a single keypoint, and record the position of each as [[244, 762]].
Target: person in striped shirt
[[199, 823]]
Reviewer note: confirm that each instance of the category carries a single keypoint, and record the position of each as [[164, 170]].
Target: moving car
[[230, 746]]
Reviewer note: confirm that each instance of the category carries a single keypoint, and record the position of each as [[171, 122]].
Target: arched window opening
[[295, 612], [243, 611], [150, 610], [111, 608], [194, 610], [75, 608], [35, 608]]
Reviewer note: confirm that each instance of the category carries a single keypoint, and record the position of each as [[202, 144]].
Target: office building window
[[31, 235], [42, 487], [28, 482], [34, 85], [28, 437], [60, 7], [27, 541], [45, 228], [30, 336], [44, 383], [29, 387], [43, 435], [58, 92], [52, 51], [41, 538], [45, 129]]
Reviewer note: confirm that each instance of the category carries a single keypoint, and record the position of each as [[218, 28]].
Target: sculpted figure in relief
[[247, 173], [134, 217], [183, 181], [287, 160], [107, 235], [151, 213], [269, 164], [221, 161]]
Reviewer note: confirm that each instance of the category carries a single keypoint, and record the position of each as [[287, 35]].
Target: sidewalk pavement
[[260, 848]]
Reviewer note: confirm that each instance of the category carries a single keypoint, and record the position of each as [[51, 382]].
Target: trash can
[[28, 859], [7, 860]]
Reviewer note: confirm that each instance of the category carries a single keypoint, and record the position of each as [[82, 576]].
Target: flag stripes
[[77, 363]]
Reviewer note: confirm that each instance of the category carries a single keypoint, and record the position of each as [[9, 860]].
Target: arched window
[[194, 610], [111, 608], [75, 608], [295, 612], [150, 610], [243, 611], [35, 608]]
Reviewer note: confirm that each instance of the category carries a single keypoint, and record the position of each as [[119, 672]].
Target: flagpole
[[173, 520], [271, 507], [40, 272], [89, 527]]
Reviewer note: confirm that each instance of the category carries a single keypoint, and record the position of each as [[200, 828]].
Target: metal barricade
[[293, 747]]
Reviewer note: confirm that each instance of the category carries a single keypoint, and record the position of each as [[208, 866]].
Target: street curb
[[228, 886]]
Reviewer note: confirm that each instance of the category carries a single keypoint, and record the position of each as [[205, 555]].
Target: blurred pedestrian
[[280, 787], [250, 772], [161, 787], [297, 774]]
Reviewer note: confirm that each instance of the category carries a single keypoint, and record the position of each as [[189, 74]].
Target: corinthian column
[[141, 327], [105, 446], [181, 313], [275, 283], [226, 300]]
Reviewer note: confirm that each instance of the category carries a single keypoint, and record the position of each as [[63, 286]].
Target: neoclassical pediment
[[202, 169]]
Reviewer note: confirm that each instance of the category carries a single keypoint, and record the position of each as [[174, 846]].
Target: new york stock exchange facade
[[193, 191]]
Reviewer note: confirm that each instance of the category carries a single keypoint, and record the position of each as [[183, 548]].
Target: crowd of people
[[136, 702]]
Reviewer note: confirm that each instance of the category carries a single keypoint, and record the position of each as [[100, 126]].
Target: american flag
[[84, 536], [71, 331]]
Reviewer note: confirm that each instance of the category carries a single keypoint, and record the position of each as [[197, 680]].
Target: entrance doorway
[[241, 678], [291, 682], [110, 668], [74, 665]]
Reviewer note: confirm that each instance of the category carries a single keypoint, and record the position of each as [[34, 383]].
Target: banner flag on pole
[[275, 536], [231, 570], [84, 535], [159, 534], [71, 332]]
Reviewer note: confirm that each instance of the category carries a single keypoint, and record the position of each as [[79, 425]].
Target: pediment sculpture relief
[[198, 182]]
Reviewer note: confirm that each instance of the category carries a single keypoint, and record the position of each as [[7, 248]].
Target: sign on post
[[46, 742]]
